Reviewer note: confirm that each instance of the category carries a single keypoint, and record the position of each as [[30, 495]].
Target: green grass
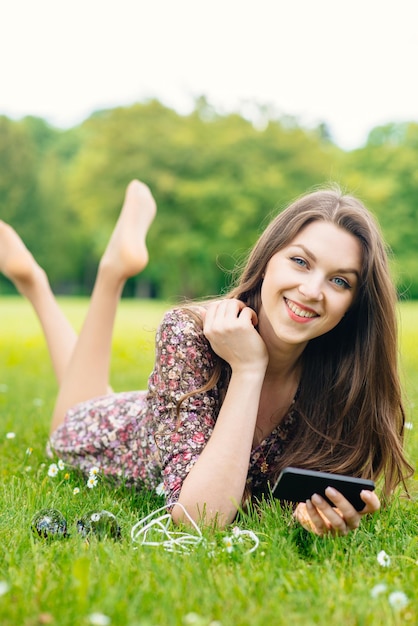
[[292, 578]]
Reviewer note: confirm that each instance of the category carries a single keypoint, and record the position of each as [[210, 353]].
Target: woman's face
[[309, 285]]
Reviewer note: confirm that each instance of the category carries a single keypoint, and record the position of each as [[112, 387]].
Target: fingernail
[[317, 498], [331, 491]]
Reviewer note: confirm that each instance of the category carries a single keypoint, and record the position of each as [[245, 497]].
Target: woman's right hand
[[229, 326]]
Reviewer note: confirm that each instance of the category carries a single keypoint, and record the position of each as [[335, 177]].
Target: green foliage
[[292, 578], [18, 173], [385, 171], [217, 180]]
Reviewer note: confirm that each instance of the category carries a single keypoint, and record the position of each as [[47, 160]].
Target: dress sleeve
[[184, 363]]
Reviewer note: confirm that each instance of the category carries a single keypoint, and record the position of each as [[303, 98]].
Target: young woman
[[297, 365]]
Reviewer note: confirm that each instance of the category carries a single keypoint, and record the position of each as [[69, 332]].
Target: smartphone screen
[[299, 485]]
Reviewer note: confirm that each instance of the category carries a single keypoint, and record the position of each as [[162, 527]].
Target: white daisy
[[378, 590], [92, 482], [53, 470], [99, 619], [159, 490], [398, 600], [229, 545], [4, 587], [192, 618], [383, 559]]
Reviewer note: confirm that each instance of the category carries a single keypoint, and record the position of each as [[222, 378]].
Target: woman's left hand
[[318, 516]]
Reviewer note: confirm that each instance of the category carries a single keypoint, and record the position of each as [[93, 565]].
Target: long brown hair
[[351, 416]]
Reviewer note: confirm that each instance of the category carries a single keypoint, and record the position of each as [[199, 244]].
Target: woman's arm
[[213, 489]]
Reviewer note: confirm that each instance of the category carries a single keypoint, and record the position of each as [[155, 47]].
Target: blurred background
[[227, 109]]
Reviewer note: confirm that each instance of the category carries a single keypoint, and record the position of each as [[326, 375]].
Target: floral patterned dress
[[140, 438]]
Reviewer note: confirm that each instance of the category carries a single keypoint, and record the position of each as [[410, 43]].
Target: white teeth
[[297, 311]]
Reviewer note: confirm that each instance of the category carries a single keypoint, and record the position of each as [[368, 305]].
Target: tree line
[[218, 179]]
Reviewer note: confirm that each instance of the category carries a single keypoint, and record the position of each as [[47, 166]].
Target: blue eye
[[341, 282], [299, 261]]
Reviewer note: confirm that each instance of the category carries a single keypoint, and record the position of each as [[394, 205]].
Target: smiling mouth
[[298, 311]]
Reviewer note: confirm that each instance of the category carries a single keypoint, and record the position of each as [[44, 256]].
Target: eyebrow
[[342, 270]]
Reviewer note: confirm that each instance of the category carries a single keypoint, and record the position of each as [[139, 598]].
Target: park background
[[218, 178], [228, 110]]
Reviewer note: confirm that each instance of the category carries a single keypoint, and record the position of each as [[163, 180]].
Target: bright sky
[[352, 64]]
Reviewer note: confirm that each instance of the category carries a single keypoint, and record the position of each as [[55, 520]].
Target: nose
[[312, 288]]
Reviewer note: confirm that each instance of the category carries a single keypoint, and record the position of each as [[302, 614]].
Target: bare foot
[[126, 253], [16, 262]]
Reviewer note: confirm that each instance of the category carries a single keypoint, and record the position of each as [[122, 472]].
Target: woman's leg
[[126, 254], [17, 263]]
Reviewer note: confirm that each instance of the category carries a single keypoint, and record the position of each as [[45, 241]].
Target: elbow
[[197, 514]]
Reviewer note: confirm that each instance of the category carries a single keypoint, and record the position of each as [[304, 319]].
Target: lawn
[[291, 578]]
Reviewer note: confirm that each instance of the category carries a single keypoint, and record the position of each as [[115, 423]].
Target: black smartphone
[[299, 485]]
